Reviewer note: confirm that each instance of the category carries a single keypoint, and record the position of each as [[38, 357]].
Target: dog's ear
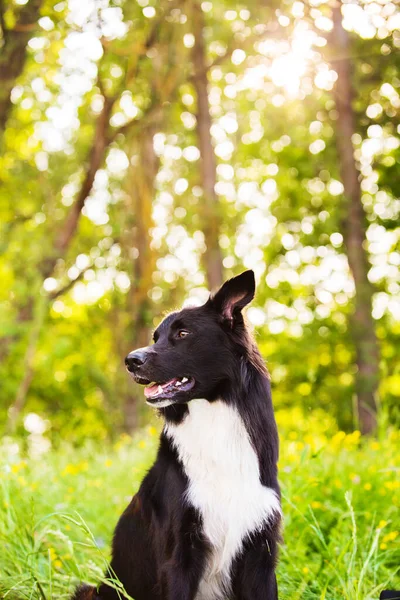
[[233, 296]]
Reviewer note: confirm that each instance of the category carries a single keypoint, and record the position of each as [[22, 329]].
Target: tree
[[211, 210], [13, 50], [354, 226], [140, 194], [139, 255]]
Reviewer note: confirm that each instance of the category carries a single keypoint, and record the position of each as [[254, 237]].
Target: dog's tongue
[[158, 388]]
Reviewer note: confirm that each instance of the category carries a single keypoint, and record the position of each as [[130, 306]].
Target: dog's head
[[195, 350]]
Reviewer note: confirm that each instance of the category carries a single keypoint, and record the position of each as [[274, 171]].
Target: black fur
[[159, 550]]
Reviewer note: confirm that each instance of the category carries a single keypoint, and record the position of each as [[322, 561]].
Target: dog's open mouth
[[169, 389]]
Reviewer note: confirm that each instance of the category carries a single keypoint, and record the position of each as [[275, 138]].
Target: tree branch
[[95, 159], [13, 52], [68, 286], [96, 156], [2, 21], [152, 114]]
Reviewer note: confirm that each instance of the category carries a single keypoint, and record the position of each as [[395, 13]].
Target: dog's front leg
[[181, 574], [178, 584], [254, 577]]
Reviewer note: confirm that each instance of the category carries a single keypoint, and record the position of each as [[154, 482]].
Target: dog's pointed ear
[[234, 294]]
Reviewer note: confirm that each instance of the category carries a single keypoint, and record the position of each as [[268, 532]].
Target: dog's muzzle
[[136, 359]]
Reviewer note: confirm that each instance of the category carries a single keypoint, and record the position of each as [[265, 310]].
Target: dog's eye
[[182, 333]]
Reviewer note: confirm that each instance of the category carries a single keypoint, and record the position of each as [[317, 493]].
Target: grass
[[341, 498]]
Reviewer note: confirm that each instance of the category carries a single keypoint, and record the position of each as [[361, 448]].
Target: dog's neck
[[250, 395], [250, 385]]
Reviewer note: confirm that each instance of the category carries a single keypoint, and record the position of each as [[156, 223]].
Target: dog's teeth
[[178, 383], [159, 389], [184, 379]]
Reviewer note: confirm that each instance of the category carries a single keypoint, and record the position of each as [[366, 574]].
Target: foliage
[[278, 185], [340, 502]]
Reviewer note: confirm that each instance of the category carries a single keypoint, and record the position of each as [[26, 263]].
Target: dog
[[205, 523]]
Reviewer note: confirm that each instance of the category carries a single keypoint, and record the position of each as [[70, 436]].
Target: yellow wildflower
[[70, 470], [392, 485], [52, 554], [338, 438], [18, 466], [382, 524], [352, 438], [390, 537]]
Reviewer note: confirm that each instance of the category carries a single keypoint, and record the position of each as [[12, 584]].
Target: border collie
[[205, 522]]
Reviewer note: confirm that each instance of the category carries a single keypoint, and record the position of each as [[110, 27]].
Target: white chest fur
[[224, 485]]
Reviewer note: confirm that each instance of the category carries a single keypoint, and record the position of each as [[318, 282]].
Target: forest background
[[148, 151]]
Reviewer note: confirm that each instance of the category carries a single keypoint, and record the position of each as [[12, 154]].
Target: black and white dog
[[205, 522]]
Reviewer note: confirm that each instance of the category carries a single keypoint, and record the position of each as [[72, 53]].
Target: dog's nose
[[136, 359]]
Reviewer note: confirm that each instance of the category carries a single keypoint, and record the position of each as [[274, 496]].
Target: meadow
[[340, 499]]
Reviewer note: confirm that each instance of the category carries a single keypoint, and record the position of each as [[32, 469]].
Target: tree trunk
[[141, 186], [13, 52], [354, 233], [28, 364], [208, 170]]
